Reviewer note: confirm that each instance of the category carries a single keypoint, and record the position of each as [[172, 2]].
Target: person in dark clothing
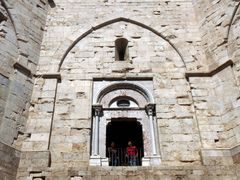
[[112, 155]]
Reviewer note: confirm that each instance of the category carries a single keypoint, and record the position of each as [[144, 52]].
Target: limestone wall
[[181, 28], [197, 117], [161, 46], [215, 99], [22, 26], [219, 26], [197, 114], [9, 159], [233, 40], [214, 19], [21, 29]]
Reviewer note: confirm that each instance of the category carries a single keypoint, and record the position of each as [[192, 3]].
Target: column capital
[[150, 109], [97, 109]]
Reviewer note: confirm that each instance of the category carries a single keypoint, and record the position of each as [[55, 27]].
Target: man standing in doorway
[[132, 154]]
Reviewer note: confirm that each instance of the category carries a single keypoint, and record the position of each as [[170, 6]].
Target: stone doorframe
[[141, 107]]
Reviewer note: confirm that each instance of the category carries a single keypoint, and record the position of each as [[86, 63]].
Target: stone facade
[[58, 56], [21, 28], [9, 161]]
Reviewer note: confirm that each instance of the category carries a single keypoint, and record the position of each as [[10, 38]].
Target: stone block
[[35, 159], [216, 157]]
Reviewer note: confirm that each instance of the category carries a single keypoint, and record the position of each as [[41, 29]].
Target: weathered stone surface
[[21, 31], [50, 118], [9, 161]]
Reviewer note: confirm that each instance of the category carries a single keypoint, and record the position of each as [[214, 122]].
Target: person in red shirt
[[132, 154]]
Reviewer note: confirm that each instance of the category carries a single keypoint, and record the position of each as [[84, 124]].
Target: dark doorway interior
[[120, 131]]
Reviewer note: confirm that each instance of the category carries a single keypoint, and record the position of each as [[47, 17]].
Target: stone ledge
[[221, 156], [135, 173], [163, 171], [139, 78], [49, 76], [4, 74], [211, 72], [23, 69], [235, 151]]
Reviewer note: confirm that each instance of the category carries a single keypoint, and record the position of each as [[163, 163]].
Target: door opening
[[121, 131]]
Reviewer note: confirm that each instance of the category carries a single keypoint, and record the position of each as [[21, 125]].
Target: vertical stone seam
[[196, 118], [51, 126]]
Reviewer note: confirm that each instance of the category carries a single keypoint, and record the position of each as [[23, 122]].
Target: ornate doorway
[[125, 108]]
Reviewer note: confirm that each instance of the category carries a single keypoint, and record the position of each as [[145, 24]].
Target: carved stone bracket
[[150, 109], [97, 109]]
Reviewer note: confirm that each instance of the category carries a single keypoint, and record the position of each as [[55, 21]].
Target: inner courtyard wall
[[193, 117], [197, 116], [215, 25], [21, 28], [219, 27], [181, 29], [21, 35]]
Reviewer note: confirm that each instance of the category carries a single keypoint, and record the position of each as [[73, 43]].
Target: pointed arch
[[4, 5], [120, 19], [232, 19]]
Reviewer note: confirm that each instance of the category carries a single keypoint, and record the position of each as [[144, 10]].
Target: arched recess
[[236, 9], [233, 40], [112, 22], [230, 34], [11, 19], [136, 87]]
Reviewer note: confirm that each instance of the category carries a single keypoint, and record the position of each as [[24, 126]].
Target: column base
[[95, 160], [104, 162], [145, 161], [155, 160], [151, 161]]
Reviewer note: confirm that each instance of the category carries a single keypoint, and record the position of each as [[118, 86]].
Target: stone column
[[97, 113], [150, 112], [95, 158], [154, 158]]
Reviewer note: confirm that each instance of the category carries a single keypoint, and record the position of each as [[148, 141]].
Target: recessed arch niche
[[102, 32]]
